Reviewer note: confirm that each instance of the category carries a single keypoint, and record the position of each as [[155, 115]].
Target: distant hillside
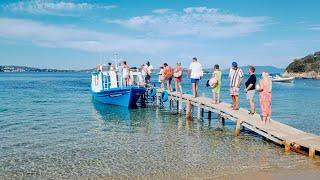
[[33, 69], [259, 69], [306, 67], [28, 69]]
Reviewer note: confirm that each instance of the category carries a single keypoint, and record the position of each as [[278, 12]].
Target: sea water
[[51, 128]]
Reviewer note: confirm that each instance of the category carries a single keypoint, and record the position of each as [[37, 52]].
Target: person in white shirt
[[195, 72], [160, 77], [143, 73], [125, 73], [149, 69], [235, 78]]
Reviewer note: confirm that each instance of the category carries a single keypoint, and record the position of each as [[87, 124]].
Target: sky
[[79, 34]]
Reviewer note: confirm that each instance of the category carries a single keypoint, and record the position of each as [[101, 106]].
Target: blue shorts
[[195, 80]]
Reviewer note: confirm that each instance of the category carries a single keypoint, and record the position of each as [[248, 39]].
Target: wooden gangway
[[282, 134]]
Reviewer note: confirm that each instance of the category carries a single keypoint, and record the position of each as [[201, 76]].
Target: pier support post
[[143, 100], [209, 115], [202, 112], [188, 109], [157, 99], [170, 104], [180, 106], [312, 152], [177, 103], [237, 130], [199, 111], [222, 121], [287, 146]]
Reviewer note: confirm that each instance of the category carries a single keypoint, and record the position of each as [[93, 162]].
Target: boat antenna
[[100, 58], [115, 60]]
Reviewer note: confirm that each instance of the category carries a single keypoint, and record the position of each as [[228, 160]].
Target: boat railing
[[114, 79]]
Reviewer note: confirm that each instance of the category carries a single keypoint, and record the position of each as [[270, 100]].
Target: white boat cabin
[[107, 78]]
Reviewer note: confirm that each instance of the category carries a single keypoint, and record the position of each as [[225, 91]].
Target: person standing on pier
[[178, 77], [168, 73], [217, 85], [195, 72], [265, 89], [236, 78], [250, 89]]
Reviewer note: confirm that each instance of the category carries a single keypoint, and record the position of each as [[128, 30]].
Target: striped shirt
[[235, 77]]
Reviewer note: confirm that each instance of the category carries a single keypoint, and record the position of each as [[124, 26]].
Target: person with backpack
[[215, 84], [178, 77], [167, 74]]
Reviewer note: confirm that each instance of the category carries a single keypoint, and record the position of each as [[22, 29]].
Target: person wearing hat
[[235, 78]]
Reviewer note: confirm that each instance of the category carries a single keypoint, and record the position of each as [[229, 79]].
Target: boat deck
[[282, 134]]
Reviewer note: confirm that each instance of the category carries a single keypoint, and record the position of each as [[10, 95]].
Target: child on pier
[[215, 83]]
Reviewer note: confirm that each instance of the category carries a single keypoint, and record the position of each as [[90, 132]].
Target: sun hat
[[234, 64]]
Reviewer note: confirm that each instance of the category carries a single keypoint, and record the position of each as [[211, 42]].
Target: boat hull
[[285, 80], [126, 97]]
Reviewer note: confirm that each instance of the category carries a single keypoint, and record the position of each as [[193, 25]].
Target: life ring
[[152, 92], [164, 96]]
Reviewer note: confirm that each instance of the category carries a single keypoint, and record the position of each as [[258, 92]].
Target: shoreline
[[305, 75], [193, 173]]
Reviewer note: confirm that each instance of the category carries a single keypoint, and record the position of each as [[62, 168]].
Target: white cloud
[[195, 21], [53, 7], [315, 27], [73, 37], [161, 11]]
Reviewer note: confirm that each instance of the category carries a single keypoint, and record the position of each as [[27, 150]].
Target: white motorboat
[[278, 78]]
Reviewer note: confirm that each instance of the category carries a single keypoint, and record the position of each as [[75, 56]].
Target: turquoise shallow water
[[51, 128]]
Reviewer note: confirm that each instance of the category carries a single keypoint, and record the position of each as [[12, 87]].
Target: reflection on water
[[171, 146], [59, 132]]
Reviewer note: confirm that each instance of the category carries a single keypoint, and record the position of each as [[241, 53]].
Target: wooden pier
[[282, 134]]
